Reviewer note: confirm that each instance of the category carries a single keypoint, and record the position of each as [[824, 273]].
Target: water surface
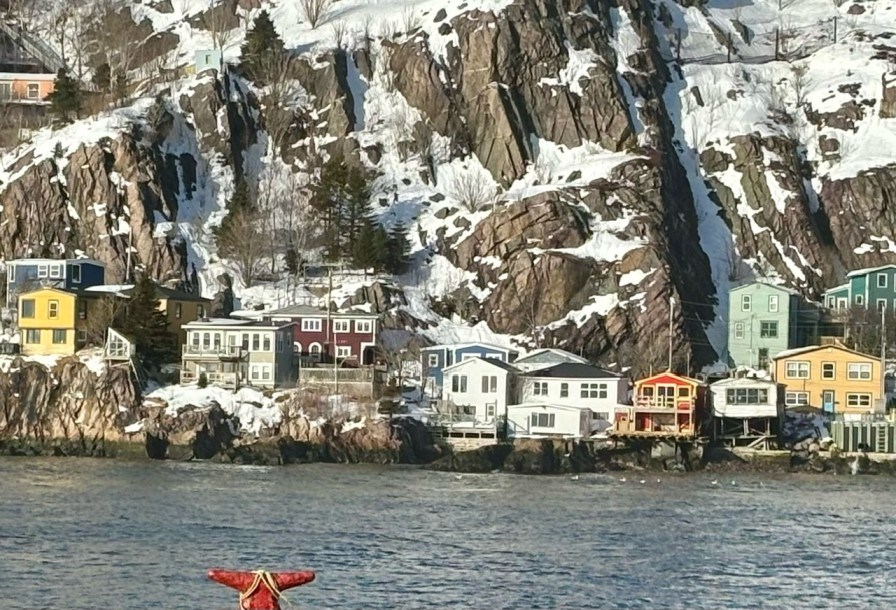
[[88, 534]]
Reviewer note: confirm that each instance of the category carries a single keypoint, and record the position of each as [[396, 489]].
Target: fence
[[878, 436]]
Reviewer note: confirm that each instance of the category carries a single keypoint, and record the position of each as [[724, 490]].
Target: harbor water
[[78, 534]]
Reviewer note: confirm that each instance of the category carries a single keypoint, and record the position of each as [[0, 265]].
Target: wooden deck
[[652, 435]]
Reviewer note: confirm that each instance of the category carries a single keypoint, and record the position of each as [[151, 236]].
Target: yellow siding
[[189, 312], [46, 319], [815, 384]]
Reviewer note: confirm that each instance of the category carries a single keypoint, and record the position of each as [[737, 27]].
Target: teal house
[[764, 319], [873, 287]]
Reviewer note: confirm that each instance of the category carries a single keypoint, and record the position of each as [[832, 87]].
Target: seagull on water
[[458, 476], [714, 482], [642, 481], [574, 477], [733, 483], [622, 479]]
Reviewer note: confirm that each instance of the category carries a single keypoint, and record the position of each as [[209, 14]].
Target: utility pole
[[671, 310], [883, 357]]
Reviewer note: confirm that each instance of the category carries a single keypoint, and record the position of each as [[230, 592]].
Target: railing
[[214, 350], [228, 380], [325, 374]]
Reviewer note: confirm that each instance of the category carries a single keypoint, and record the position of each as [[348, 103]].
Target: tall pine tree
[[147, 326], [398, 249], [262, 44], [340, 200], [65, 99]]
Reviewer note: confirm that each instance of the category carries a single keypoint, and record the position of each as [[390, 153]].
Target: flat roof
[[574, 370], [297, 311], [40, 261], [546, 405], [231, 322]]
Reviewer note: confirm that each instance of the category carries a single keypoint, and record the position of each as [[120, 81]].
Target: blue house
[[434, 359], [29, 273]]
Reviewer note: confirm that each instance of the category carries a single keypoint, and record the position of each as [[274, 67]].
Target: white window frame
[[881, 305], [796, 399], [459, 383], [860, 299], [314, 351], [535, 418], [36, 87], [881, 276], [43, 270], [797, 372], [56, 271], [5, 90], [265, 372], [53, 309], [343, 351], [55, 333], [311, 325], [833, 374], [363, 326], [746, 302], [859, 371], [564, 390], [773, 303], [255, 372], [341, 326], [432, 360], [32, 336], [593, 390], [858, 400], [76, 274], [739, 330]]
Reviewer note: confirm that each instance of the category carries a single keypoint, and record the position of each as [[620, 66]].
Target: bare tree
[[472, 189], [315, 10], [102, 314], [339, 29], [279, 97], [243, 244], [800, 81], [410, 20], [216, 21]]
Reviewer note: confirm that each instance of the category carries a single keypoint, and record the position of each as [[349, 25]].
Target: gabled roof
[[457, 346], [161, 292], [547, 405], [47, 261], [301, 311], [765, 285], [837, 288], [574, 370], [743, 381], [553, 350], [814, 348], [480, 361], [670, 376], [867, 270], [71, 291]]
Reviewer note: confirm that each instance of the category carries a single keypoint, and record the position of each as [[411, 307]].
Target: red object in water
[[260, 590]]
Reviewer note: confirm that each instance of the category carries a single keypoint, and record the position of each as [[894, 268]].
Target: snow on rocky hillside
[[567, 168]]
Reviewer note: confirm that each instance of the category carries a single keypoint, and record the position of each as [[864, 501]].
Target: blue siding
[[481, 351], [433, 371], [448, 356], [91, 275]]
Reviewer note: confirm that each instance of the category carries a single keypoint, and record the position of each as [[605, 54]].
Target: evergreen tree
[[240, 203], [120, 85], [237, 236], [65, 99], [340, 200], [102, 77], [398, 249], [261, 45], [293, 262], [381, 248], [364, 250], [146, 325]]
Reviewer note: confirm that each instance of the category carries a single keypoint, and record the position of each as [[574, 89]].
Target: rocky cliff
[[568, 169]]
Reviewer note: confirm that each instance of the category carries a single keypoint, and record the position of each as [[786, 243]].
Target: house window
[[266, 343], [564, 390], [861, 401], [746, 302], [459, 383], [763, 357], [76, 274], [27, 308], [881, 280], [245, 342], [265, 373], [206, 340], [341, 326], [490, 410], [59, 336], [314, 351], [32, 336], [768, 330], [5, 91], [830, 302], [256, 342], [55, 271], [881, 304], [540, 388], [432, 360], [797, 370], [52, 309], [738, 330], [344, 351], [746, 396], [828, 370], [178, 311], [194, 340], [81, 336], [860, 299], [200, 311], [255, 372], [33, 91], [82, 309], [773, 303], [311, 325], [363, 326], [489, 384], [796, 399], [42, 271], [594, 390], [542, 420], [857, 371]]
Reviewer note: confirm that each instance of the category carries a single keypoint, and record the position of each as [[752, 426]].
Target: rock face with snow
[[566, 169], [68, 408]]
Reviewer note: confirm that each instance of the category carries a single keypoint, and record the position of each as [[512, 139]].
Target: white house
[[545, 358], [479, 387], [576, 384], [539, 420], [746, 411]]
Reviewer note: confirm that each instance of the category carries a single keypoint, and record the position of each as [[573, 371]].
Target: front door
[[827, 401]]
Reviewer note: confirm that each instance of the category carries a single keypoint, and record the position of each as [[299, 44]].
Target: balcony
[[224, 380], [218, 352]]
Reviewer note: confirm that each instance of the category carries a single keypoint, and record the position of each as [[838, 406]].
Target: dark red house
[[350, 337]]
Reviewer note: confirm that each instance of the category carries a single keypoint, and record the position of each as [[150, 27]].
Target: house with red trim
[[320, 335], [664, 405]]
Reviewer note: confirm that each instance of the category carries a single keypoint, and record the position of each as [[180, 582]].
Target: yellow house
[[51, 321], [181, 308], [830, 377]]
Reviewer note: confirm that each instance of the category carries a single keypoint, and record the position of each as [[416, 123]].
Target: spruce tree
[[240, 203], [293, 261], [340, 200], [381, 248], [398, 249], [65, 98], [261, 45], [102, 77], [146, 325], [364, 254]]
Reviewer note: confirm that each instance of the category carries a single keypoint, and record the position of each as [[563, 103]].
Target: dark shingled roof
[[573, 370]]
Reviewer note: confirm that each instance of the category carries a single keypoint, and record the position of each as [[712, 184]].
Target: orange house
[[664, 405], [25, 88]]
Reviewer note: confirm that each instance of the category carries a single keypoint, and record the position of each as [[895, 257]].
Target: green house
[[873, 287], [764, 319]]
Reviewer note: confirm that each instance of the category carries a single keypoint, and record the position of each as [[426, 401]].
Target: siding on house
[[484, 384], [538, 420], [50, 320], [435, 358]]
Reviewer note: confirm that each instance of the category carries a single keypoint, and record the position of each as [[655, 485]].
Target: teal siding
[[757, 334], [857, 287], [881, 289]]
